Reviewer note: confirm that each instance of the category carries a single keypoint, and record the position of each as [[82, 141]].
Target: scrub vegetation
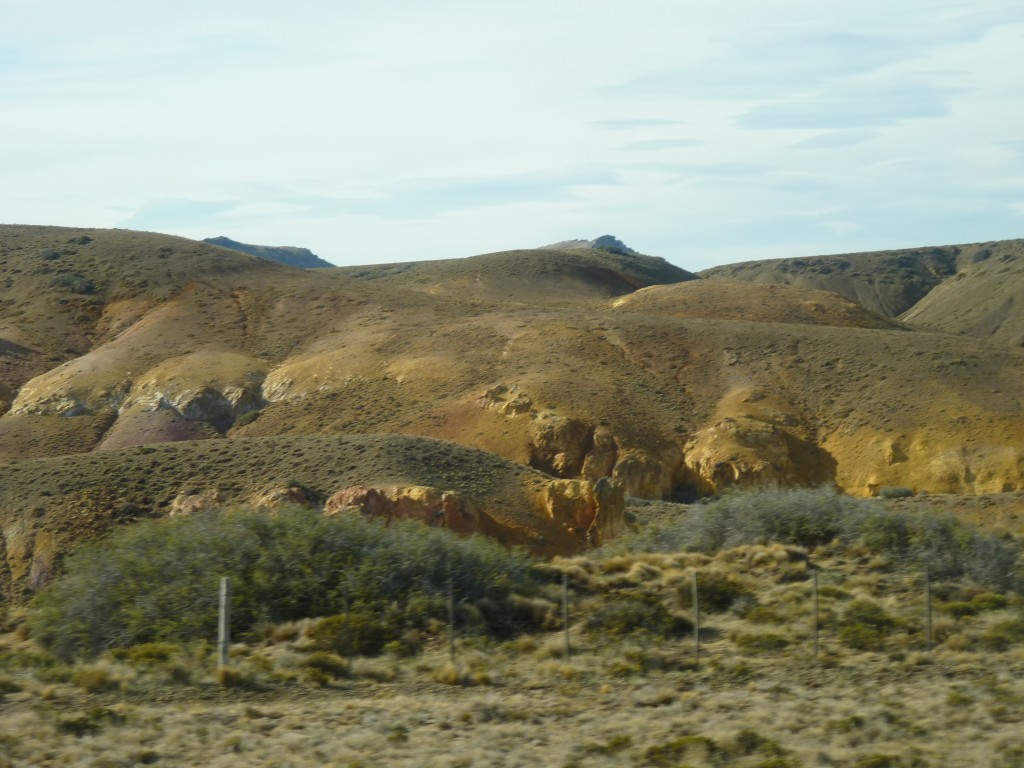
[[344, 653]]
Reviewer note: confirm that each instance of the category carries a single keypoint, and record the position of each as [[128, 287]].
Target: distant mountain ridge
[[282, 254], [971, 288]]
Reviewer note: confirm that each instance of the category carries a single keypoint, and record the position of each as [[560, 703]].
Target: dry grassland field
[[632, 690]]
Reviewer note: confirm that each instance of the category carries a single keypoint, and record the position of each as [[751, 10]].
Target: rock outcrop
[[748, 453], [581, 507], [428, 505], [590, 513]]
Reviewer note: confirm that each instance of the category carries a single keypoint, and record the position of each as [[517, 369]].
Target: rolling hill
[[577, 363], [972, 289]]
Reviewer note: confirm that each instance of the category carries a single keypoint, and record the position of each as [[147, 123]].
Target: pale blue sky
[[702, 132]]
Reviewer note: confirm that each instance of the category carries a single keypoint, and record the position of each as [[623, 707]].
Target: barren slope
[[683, 388], [983, 299], [972, 289], [546, 358], [759, 303], [887, 283], [541, 276]]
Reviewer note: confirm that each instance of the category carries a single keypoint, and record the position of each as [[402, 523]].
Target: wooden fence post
[[817, 623], [696, 622], [928, 608], [224, 623], [565, 615], [451, 619]]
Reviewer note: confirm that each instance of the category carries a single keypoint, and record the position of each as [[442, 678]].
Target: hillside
[[283, 254], [887, 283], [549, 275], [579, 363], [50, 505], [972, 289]]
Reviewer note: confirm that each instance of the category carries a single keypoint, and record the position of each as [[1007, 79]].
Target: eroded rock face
[[272, 498], [590, 513], [748, 453], [592, 509], [560, 445], [419, 502], [190, 503], [649, 474], [509, 400]]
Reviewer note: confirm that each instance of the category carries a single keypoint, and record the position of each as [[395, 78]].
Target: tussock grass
[[632, 692]]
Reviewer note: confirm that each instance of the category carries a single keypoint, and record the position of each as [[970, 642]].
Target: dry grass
[[758, 696]]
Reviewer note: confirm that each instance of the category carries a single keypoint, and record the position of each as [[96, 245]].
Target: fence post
[[348, 634], [565, 615], [224, 623], [696, 622], [817, 623], [451, 619], [928, 608]]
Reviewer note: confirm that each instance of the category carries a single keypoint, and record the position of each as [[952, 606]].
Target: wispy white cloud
[[626, 125], [852, 107], [657, 145]]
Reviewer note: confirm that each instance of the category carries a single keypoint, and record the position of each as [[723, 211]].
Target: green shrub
[[93, 679], [156, 581], [357, 632], [328, 663], [958, 609], [73, 282], [151, 653], [865, 625], [939, 543], [621, 616], [671, 754], [1002, 635], [762, 642], [763, 614], [895, 492], [89, 721], [989, 601], [247, 418], [715, 593]]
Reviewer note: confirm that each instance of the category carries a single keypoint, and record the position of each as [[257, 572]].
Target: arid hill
[[972, 289], [49, 505], [579, 363]]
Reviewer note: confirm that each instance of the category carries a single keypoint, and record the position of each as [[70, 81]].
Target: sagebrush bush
[[808, 517], [716, 592], [620, 616], [357, 632], [156, 581], [865, 626]]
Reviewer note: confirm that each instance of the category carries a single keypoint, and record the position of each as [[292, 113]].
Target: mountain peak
[[284, 254], [608, 243]]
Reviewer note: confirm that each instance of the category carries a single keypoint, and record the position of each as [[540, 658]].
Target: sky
[[703, 132]]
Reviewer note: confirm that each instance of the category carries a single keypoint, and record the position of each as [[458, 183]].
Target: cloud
[[423, 198], [859, 106], [836, 139], [656, 145], [625, 125], [727, 169], [171, 213], [413, 199], [782, 57]]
